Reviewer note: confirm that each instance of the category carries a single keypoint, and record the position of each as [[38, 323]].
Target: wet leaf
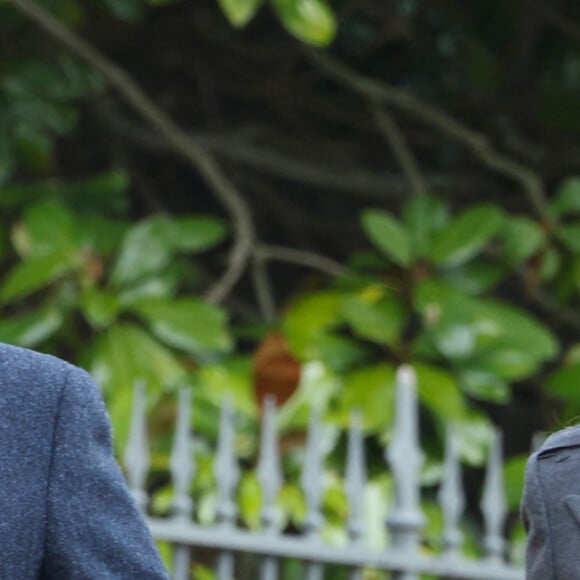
[[424, 215], [388, 235], [308, 318], [240, 12], [31, 329], [33, 274], [521, 238], [187, 323], [567, 198], [311, 21], [466, 235], [380, 320]]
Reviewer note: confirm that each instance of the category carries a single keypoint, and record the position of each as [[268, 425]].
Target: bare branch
[[263, 287], [354, 179], [384, 93], [180, 141], [300, 257], [401, 150]]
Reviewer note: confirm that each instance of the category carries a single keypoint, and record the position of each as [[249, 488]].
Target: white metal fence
[[404, 558]]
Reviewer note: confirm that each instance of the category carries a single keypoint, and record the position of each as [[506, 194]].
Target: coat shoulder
[[568, 437], [26, 371]]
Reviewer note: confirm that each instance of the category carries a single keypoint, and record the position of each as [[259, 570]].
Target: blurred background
[[294, 197]]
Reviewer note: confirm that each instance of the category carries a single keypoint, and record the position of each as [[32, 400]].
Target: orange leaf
[[276, 371]]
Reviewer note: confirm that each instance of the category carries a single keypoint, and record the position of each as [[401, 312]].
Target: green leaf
[[146, 249], [424, 215], [32, 274], [522, 237], [130, 10], [32, 328], [34, 147], [514, 475], [15, 196], [550, 265], [123, 355], [569, 235], [474, 433], [564, 382], [466, 235], [162, 286], [98, 307], [522, 331], [318, 386], [567, 198], [232, 378], [484, 385], [250, 500], [104, 192], [494, 324], [388, 235], [476, 276], [308, 318], [189, 324], [371, 391], [455, 340], [311, 21], [7, 160], [573, 354], [49, 228], [380, 320], [197, 233], [79, 78], [439, 392], [508, 362], [340, 353], [240, 12], [102, 235]]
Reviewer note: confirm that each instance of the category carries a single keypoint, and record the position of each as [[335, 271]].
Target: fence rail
[[404, 557]]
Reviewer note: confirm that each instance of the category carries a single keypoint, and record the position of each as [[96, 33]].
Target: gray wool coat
[[551, 508], [65, 512]]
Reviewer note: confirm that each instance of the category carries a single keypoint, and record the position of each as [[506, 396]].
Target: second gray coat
[[551, 508]]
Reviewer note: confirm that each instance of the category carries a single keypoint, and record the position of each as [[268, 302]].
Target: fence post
[[493, 502], [226, 472], [312, 487], [451, 496], [182, 469], [405, 457], [355, 479], [136, 457], [270, 477]]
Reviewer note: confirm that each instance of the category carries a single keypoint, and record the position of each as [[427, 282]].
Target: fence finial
[[312, 475], [136, 457], [269, 471], [182, 469], [226, 468], [270, 477], [227, 473], [355, 477], [493, 503], [406, 458], [451, 496], [182, 464]]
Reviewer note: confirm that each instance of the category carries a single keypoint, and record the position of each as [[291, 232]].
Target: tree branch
[[478, 143], [356, 180], [400, 149], [179, 141], [300, 257], [263, 287]]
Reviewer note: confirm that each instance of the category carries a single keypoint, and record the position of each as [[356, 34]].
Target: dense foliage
[[253, 215]]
